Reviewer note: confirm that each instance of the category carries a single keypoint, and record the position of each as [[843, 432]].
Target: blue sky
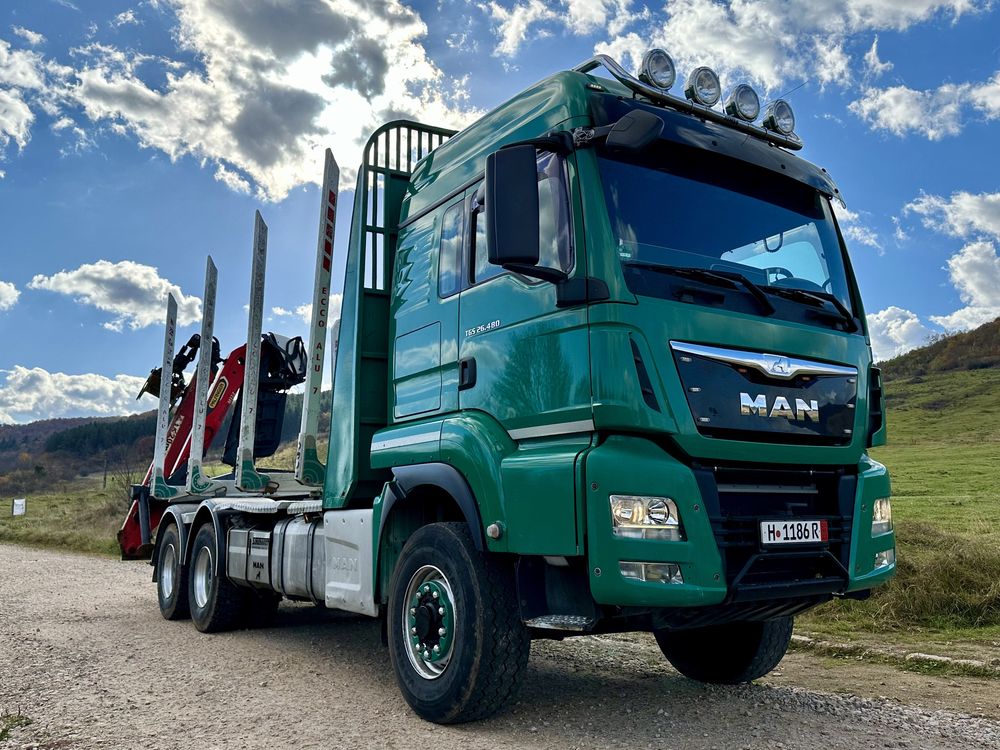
[[137, 136]]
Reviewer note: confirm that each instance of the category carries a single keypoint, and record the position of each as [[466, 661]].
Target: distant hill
[[31, 437], [978, 349]]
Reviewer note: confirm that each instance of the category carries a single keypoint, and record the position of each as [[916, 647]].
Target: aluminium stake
[[159, 484], [247, 478], [197, 483], [309, 469]]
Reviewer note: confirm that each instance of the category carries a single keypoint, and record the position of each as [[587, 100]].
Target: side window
[[450, 251], [555, 246], [482, 269]]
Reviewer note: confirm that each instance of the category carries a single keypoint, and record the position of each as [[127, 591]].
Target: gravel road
[[86, 656]]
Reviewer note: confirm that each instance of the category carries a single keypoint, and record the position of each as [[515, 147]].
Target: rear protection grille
[[738, 498]]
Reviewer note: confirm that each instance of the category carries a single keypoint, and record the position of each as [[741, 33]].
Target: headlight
[[743, 102], [659, 572], [703, 87], [881, 516], [658, 69], [779, 117], [642, 517], [885, 559]]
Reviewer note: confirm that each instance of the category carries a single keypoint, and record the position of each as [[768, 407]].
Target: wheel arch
[[205, 514], [420, 494], [172, 515]]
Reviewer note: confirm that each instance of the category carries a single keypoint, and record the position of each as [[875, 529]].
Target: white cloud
[[125, 18], [31, 37], [257, 91], [853, 228], [8, 295], [962, 215], [975, 272], [27, 394], [895, 331], [767, 41], [304, 312], [975, 269], [232, 180], [272, 88], [133, 292], [873, 65], [514, 24], [932, 113]]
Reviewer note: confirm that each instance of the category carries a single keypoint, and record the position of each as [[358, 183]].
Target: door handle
[[466, 373]]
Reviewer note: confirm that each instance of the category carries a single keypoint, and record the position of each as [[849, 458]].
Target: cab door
[[525, 362], [425, 315]]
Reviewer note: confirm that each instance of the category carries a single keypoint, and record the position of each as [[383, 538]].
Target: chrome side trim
[[772, 365], [550, 430], [405, 440], [661, 96]]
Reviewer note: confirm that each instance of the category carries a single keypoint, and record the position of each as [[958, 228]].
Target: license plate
[[793, 532]]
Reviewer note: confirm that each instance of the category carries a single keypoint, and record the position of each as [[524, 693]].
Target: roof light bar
[[659, 96]]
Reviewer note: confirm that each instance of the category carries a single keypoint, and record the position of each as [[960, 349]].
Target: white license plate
[[793, 532]]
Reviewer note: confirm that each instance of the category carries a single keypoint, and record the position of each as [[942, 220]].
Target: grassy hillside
[[944, 458]]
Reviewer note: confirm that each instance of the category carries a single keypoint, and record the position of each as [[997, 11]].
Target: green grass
[[82, 518], [944, 459], [10, 722]]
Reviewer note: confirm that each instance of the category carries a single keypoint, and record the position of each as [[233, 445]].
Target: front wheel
[[727, 654], [456, 640]]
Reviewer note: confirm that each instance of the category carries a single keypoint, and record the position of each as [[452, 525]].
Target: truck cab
[[602, 366]]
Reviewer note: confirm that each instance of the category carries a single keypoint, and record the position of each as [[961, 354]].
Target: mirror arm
[[553, 275]]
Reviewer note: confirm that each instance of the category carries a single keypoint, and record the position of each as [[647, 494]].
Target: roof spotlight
[[703, 87], [779, 117], [658, 69], [743, 103]]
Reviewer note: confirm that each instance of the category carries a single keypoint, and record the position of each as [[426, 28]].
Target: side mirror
[[512, 206]]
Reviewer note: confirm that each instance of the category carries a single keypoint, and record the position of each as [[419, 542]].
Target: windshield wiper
[[816, 299], [727, 279]]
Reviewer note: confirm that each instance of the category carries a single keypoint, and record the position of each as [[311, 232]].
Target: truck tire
[[216, 603], [171, 577], [727, 654], [461, 606]]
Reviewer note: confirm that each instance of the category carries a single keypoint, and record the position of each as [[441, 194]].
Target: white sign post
[[19, 507]]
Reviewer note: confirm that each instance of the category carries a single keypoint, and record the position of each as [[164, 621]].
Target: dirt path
[[85, 655]]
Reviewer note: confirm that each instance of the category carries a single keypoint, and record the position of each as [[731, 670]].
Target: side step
[[573, 623]]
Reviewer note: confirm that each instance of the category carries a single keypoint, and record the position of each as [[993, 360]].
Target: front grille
[[738, 498]]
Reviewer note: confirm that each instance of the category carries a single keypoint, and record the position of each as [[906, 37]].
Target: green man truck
[[602, 366]]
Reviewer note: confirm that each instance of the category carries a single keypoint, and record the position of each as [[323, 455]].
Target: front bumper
[[720, 557]]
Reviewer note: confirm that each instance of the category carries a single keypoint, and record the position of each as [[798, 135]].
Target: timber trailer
[[602, 366]]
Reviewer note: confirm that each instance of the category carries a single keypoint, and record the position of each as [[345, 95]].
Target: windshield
[[775, 232]]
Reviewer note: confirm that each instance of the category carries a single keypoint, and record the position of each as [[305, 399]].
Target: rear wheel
[[456, 640], [171, 577], [727, 654], [216, 602]]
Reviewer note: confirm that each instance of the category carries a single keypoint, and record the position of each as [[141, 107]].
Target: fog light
[[779, 117], [743, 102], [885, 558], [643, 517], [881, 516], [658, 69], [703, 87], [652, 572]]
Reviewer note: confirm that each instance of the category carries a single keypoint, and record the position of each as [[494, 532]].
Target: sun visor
[[689, 130]]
